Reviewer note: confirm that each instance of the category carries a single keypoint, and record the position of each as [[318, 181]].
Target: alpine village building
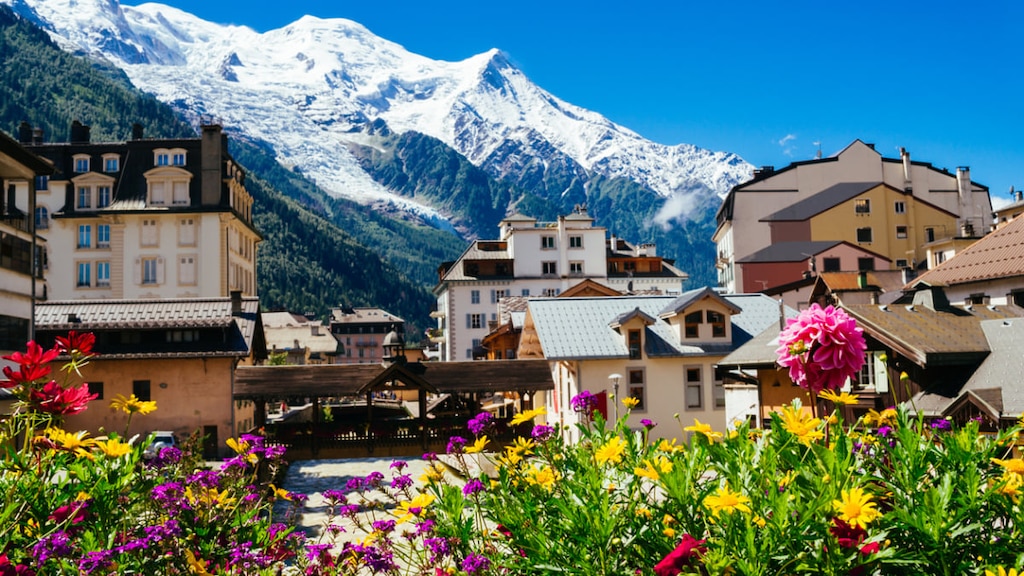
[[532, 258], [150, 245]]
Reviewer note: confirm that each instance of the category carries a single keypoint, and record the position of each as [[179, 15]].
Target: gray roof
[[687, 298], [824, 200], [579, 328], [790, 251], [998, 375]]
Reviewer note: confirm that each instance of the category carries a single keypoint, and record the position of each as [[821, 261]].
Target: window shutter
[[469, 321], [881, 375], [138, 270], [494, 297]]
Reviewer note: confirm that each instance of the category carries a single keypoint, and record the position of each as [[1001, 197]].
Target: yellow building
[[182, 354]]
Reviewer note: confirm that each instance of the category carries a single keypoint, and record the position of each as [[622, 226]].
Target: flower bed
[[888, 494]]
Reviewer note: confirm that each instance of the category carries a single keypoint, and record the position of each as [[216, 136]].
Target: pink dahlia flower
[[822, 347]]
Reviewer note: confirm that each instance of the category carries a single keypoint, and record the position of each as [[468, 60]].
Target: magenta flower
[[54, 399], [821, 347]]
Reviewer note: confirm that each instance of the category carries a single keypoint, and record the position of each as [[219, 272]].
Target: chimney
[[25, 132], [37, 135], [236, 302], [963, 186], [136, 131], [905, 156], [79, 133], [212, 158]]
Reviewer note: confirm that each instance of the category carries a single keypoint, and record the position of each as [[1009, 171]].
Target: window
[[156, 193], [84, 197], [901, 231], [634, 344], [180, 193], [110, 163], [499, 294], [149, 234], [717, 321], [1017, 297], [901, 262], [97, 389], [42, 183], [42, 218], [718, 392], [694, 387], [900, 207], [929, 234], [103, 196], [178, 159], [978, 299], [149, 269], [575, 267], [187, 270], [638, 389], [549, 293], [864, 235], [549, 268], [575, 241], [85, 236], [525, 292], [475, 321], [103, 235], [862, 206], [474, 297], [187, 232], [141, 390], [831, 265], [547, 242], [84, 274], [865, 264], [940, 257], [691, 324], [81, 164], [162, 159], [103, 273]]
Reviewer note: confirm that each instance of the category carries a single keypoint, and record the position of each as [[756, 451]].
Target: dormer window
[[162, 159], [717, 321], [111, 162], [81, 163], [178, 159], [691, 324]]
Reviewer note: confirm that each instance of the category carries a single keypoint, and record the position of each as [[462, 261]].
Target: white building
[[146, 218], [533, 258]]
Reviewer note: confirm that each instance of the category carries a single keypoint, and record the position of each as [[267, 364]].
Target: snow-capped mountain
[[312, 88]]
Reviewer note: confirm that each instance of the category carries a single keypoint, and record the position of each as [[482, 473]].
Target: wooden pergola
[[263, 384]]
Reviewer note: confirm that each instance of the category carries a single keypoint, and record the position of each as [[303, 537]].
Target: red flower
[[33, 365], [688, 549], [848, 536], [8, 569], [75, 512], [54, 399], [82, 342]]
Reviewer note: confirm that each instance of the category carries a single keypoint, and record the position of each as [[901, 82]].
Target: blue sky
[[766, 80]]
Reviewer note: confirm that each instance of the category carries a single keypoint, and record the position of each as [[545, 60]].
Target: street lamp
[[614, 379]]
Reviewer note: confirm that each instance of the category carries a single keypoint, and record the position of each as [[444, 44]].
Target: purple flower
[[205, 478], [354, 485], [472, 487], [316, 551], [430, 456], [648, 424], [348, 510], [542, 432], [439, 548], [56, 545], [585, 403], [98, 560], [334, 496], [941, 424], [884, 431], [456, 444], [373, 479], [479, 423], [475, 563], [425, 527], [399, 465], [401, 481], [168, 455], [384, 526]]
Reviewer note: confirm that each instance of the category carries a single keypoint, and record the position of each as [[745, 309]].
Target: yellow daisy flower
[[132, 405], [653, 469], [1012, 466], [630, 402], [527, 415], [611, 451], [802, 425], [1000, 571], [843, 399], [725, 500], [409, 508], [477, 446], [113, 447], [544, 477], [856, 508], [704, 429]]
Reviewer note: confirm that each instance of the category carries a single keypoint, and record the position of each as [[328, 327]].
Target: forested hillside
[[307, 263]]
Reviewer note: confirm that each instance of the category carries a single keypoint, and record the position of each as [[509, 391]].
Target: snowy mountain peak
[[317, 85]]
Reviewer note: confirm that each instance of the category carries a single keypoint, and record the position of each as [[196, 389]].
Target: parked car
[[161, 439]]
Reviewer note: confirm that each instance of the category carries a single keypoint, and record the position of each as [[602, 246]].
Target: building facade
[[891, 207], [537, 259], [144, 219], [360, 333], [21, 279]]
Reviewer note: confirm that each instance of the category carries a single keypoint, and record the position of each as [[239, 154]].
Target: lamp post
[[614, 379]]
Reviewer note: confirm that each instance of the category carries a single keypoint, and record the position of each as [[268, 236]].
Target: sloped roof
[[949, 336], [790, 251], [886, 280], [348, 379], [579, 328], [686, 299], [828, 198], [15, 160], [364, 316], [999, 254], [285, 337]]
